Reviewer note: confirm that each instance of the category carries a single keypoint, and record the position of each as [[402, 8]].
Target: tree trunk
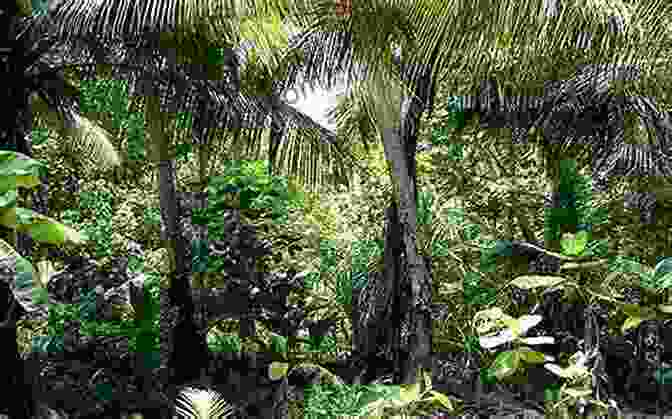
[[16, 123], [278, 127], [187, 343], [413, 285], [14, 380]]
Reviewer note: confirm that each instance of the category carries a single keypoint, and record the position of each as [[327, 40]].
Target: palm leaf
[[202, 404]]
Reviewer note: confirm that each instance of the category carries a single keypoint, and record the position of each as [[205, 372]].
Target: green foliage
[[135, 133], [575, 204], [471, 231], [440, 248], [424, 205], [456, 116], [110, 97], [474, 292], [333, 401], [105, 96], [183, 151], [72, 216], [311, 280], [343, 288], [256, 190], [327, 256], [39, 136], [278, 344], [184, 121], [199, 256], [441, 137], [99, 203], [219, 342], [83, 313], [152, 215], [143, 333], [363, 252], [489, 255], [324, 344], [40, 7]]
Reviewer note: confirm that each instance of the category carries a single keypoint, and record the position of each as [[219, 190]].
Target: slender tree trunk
[[413, 285], [187, 344], [278, 126]]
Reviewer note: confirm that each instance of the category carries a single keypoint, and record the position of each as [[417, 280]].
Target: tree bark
[[413, 285], [187, 343], [278, 127]]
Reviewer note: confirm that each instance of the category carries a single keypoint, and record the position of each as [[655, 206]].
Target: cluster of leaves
[[110, 97], [39, 136], [249, 183], [575, 204], [143, 333], [99, 204], [576, 208], [356, 277], [375, 400], [441, 137], [103, 96], [255, 189]]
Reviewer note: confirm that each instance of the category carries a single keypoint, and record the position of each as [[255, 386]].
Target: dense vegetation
[[484, 214], [338, 232]]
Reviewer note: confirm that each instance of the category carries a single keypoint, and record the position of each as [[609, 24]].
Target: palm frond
[[197, 403], [218, 101], [86, 137], [129, 19]]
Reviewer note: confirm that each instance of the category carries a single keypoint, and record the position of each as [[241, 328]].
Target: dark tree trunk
[[14, 380], [401, 296], [14, 125], [187, 343], [377, 304], [278, 127], [413, 286], [393, 274]]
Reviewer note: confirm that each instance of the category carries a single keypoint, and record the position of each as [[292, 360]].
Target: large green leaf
[[535, 281], [574, 245], [661, 273], [506, 364], [29, 283], [663, 375], [531, 357], [45, 229], [18, 170], [631, 323], [277, 370], [27, 286]]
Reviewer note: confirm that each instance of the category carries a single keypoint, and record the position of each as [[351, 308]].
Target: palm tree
[[232, 112], [588, 92], [547, 38]]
